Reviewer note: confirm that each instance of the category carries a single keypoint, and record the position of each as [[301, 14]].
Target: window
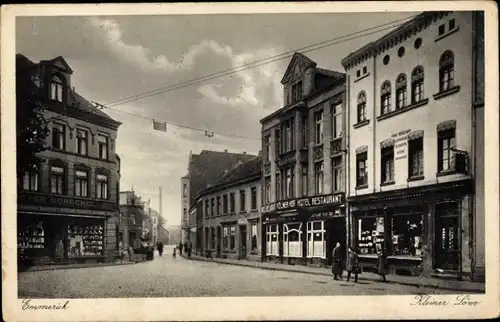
[[385, 97], [102, 186], [131, 219], [232, 237], [213, 213], [319, 127], [387, 171], [267, 188], [318, 177], [225, 238], [417, 43], [296, 92], [417, 84], [407, 237], [304, 180], [57, 180], [287, 128], [243, 206], [400, 91], [365, 70], [218, 205], [292, 240], [305, 132], [441, 29], [81, 141], [451, 24], [254, 237], [370, 235], [232, 203], [361, 170], [386, 59], [253, 198], [316, 243], [361, 107], [58, 136], [56, 88], [103, 146], [416, 157], [267, 148], [272, 240], [81, 183], [401, 51], [30, 180], [184, 190], [337, 173], [278, 142], [358, 73], [278, 186], [446, 144], [337, 121], [289, 184], [224, 204], [446, 71]]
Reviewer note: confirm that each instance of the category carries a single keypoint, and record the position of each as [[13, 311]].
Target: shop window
[[385, 98], [305, 132], [56, 88], [446, 71], [58, 136], [400, 91], [253, 192], [30, 180], [243, 206], [232, 202], [81, 141], [102, 186], [416, 157], [337, 174], [81, 183], [316, 239], [361, 170], [31, 235], [370, 235], [225, 239], [267, 188], [446, 144], [336, 121], [232, 237], [224, 204], [318, 177], [387, 173], [417, 85], [254, 237], [361, 107], [407, 237], [292, 240], [318, 117], [86, 240], [57, 176], [304, 180], [297, 92], [272, 243], [103, 146]]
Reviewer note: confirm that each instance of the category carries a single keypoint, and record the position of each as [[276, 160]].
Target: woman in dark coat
[[337, 262], [382, 267], [352, 265]]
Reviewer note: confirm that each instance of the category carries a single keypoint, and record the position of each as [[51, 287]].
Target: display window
[[272, 240], [292, 240], [31, 235], [407, 234], [370, 235], [85, 239], [316, 244]]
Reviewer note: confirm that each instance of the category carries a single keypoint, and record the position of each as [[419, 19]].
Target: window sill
[[253, 209], [446, 173], [447, 92], [254, 252], [403, 110], [388, 183], [450, 32], [361, 77], [360, 124], [415, 178], [361, 187]]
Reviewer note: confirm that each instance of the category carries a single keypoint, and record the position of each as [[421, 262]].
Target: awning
[[39, 213]]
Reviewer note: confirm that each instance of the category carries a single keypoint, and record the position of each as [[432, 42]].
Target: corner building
[[303, 174], [412, 157]]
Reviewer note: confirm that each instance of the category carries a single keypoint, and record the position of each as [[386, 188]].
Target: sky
[[116, 57]]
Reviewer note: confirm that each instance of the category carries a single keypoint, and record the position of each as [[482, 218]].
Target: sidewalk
[[37, 268], [452, 285]]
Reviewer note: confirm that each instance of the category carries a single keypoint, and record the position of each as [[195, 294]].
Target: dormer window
[[56, 88], [296, 92]]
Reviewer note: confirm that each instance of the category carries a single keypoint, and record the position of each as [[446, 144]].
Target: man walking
[[337, 262], [180, 248]]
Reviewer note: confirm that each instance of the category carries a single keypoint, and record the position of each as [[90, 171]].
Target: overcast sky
[[115, 57]]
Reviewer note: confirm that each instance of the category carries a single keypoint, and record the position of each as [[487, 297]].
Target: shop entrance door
[[57, 239], [447, 247], [336, 233], [243, 242]]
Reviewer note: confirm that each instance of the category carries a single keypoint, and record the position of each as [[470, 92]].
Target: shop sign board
[[400, 144], [290, 204], [63, 201]]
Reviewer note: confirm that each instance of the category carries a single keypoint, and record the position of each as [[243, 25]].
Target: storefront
[[420, 229], [304, 231]]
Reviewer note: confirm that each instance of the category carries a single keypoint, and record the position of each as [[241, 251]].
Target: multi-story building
[[229, 209], [303, 173], [203, 169], [155, 218], [67, 209], [413, 148], [132, 218]]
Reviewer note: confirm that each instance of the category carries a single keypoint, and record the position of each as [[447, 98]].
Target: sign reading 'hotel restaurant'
[[325, 200]]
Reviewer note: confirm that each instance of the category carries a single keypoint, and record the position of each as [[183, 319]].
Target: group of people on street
[[352, 263], [187, 247]]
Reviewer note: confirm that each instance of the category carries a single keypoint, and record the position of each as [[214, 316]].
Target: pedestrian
[[186, 247], [352, 264], [174, 255], [337, 262], [382, 266], [160, 248], [190, 249], [180, 248]]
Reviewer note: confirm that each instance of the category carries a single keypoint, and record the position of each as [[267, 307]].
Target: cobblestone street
[[168, 277]]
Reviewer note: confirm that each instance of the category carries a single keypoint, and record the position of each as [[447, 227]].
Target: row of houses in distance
[[387, 154]]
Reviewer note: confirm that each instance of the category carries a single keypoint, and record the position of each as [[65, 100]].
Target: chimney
[[225, 150]]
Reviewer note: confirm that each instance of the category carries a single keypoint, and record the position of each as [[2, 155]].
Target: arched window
[[400, 91], [56, 88], [446, 71], [361, 107], [417, 84], [385, 98]]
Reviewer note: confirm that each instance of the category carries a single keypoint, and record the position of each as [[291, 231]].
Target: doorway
[[219, 239], [243, 242], [336, 233], [447, 254]]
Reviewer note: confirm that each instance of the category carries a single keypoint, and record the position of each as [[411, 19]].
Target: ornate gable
[[61, 64], [296, 68]]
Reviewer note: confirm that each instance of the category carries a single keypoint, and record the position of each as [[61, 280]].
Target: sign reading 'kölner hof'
[[333, 199]]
